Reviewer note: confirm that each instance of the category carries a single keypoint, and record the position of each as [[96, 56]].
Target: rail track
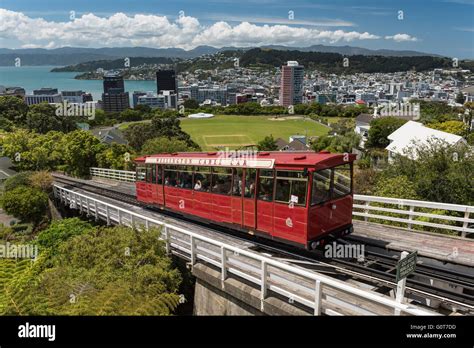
[[451, 286]]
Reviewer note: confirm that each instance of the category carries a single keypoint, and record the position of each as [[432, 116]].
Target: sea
[[36, 77]]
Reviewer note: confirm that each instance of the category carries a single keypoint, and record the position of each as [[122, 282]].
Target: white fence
[[296, 284], [120, 175], [407, 212]]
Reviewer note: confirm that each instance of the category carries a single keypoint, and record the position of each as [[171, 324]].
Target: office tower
[[166, 81], [291, 85], [114, 98]]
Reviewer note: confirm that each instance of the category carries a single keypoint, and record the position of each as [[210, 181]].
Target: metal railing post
[[263, 286], [318, 293], [223, 266]]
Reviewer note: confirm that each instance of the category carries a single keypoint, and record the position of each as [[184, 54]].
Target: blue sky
[[437, 26]]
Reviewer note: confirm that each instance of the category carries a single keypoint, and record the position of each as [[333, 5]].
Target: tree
[[453, 127], [80, 149], [191, 104], [440, 172], [164, 145], [460, 98], [26, 203], [170, 127], [13, 109], [20, 179], [116, 156], [396, 187], [380, 129], [42, 118], [267, 144], [137, 134], [337, 143], [130, 115], [42, 180]]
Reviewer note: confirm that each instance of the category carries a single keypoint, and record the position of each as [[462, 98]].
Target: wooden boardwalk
[[441, 247]]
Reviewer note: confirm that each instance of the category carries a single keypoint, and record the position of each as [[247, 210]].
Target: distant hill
[[114, 64], [75, 55], [333, 62]]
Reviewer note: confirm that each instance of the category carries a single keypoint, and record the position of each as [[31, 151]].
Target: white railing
[[120, 175], [369, 207], [420, 213], [293, 282]]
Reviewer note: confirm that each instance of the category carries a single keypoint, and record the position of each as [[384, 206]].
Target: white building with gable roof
[[414, 134]]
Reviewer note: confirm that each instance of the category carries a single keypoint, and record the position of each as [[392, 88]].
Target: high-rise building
[[114, 98], [291, 85], [113, 82], [166, 81]]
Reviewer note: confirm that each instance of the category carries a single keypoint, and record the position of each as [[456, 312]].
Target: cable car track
[[384, 276]]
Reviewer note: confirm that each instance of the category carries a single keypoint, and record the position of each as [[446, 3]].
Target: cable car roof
[[262, 160]]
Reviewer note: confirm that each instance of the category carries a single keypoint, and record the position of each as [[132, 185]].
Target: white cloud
[[186, 32], [401, 37]]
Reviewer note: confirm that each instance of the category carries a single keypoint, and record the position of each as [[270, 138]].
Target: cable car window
[[221, 180], [265, 188], [171, 176], [321, 186], [185, 177], [250, 180], [202, 179], [159, 175], [149, 173], [141, 173], [237, 181], [291, 187], [342, 185]]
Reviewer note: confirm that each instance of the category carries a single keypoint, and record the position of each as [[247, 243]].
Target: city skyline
[[442, 27]]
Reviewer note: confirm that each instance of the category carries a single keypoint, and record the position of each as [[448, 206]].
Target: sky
[[444, 27]]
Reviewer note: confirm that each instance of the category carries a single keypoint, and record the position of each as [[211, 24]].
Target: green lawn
[[235, 131]]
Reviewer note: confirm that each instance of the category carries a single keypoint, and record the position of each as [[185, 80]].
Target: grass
[[235, 131]]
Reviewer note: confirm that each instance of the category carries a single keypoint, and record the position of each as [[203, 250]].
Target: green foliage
[[191, 104], [106, 271], [380, 129], [396, 187], [160, 126], [164, 145], [20, 179], [116, 156], [337, 143], [131, 115], [453, 127], [13, 112], [460, 98], [80, 149], [267, 144], [60, 231], [32, 151], [42, 118], [42, 180], [440, 173], [25, 203]]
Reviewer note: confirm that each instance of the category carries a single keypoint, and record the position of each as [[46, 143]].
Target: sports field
[[235, 131]]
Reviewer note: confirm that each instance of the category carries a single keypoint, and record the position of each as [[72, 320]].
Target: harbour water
[[36, 77]]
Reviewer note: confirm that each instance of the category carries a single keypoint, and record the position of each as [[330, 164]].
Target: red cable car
[[298, 198]]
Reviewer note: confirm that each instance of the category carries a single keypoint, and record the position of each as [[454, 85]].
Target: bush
[[61, 230], [20, 179], [26, 203], [42, 180]]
